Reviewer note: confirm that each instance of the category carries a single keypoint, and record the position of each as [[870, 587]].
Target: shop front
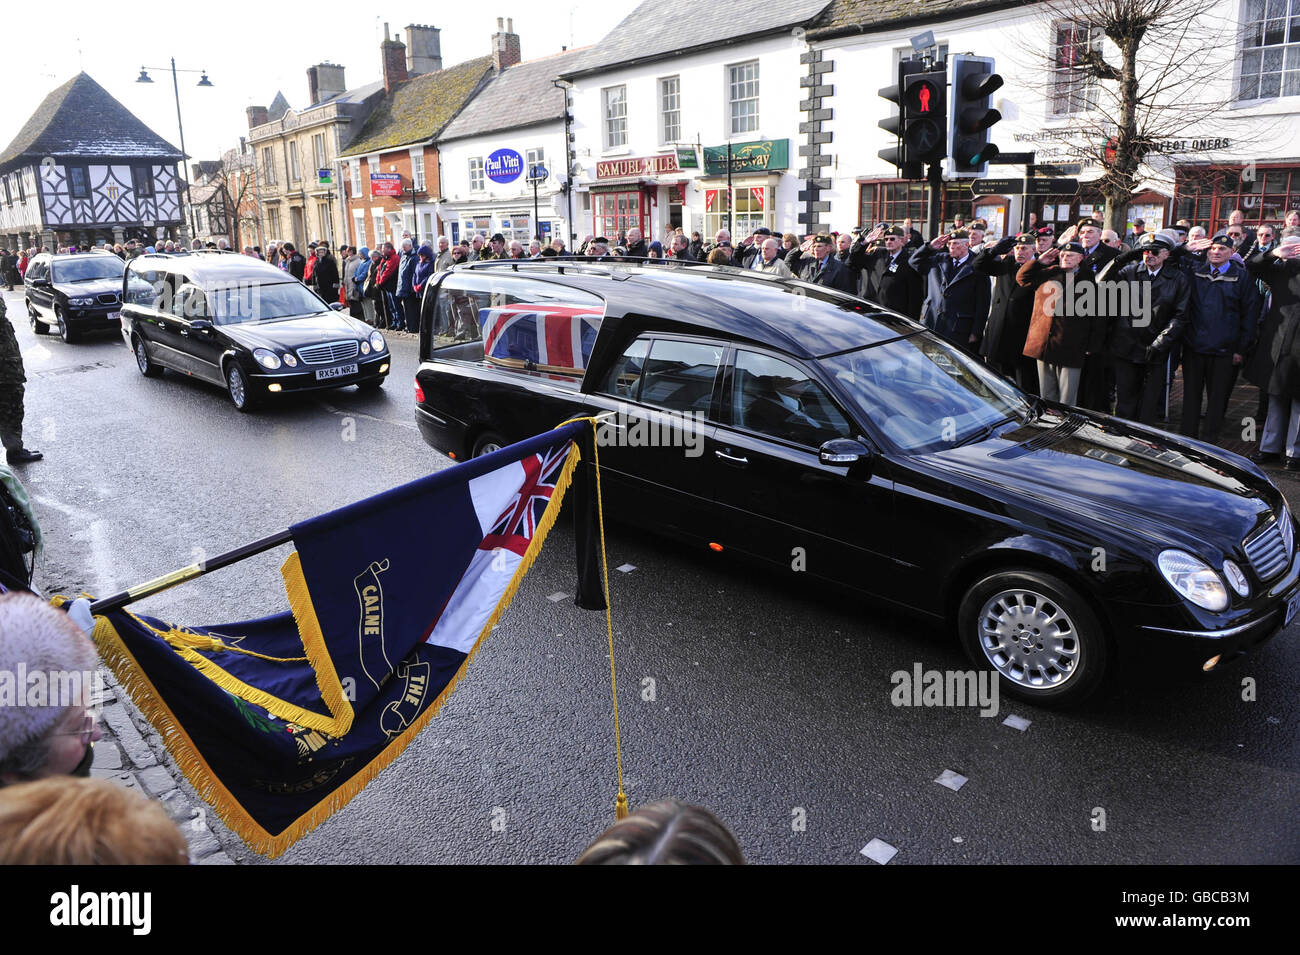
[[638, 192], [746, 199], [1206, 195]]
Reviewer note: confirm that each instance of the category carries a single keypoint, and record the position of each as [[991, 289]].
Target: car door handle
[[728, 457]]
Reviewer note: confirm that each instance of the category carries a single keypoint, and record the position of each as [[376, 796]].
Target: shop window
[[1074, 90]]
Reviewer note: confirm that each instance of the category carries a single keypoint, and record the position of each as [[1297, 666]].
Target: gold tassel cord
[[620, 802]]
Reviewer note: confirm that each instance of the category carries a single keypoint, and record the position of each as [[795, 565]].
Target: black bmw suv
[[75, 293]]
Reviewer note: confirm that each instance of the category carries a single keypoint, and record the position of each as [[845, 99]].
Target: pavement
[[756, 694]]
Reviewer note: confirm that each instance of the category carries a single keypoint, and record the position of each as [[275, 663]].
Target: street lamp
[[176, 89]]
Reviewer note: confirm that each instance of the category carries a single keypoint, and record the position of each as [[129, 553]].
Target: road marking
[[951, 780], [626, 568], [557, 596], [37, 353], [1017, 722], [878, 850]]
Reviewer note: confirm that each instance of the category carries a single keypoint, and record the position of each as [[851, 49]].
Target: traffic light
[[895, 124], [925, 127], [972, 114]]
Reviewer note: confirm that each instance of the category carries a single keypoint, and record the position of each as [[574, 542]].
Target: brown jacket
[[1062, 329]]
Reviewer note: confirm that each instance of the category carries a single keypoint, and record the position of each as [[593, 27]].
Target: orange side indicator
[[717, 548]]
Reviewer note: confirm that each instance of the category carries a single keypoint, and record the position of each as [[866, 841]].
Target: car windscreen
[[251, 302], [87, 270], [925, 394]]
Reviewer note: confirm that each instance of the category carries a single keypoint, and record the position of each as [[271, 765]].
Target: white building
[[514, 125], [1247, 157], [657, 102], [84, 169]]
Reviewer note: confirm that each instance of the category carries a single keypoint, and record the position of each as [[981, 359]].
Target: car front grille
[[1267, 551], [329, 353], [108, 298]]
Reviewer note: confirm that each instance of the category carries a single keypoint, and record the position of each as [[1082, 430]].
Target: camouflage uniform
[[11, 385]]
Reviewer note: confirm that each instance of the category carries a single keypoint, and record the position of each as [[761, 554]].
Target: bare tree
[[1135, 76], [235, 198]]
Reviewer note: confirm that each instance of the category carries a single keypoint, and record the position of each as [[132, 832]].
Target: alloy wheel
[[1029, 639]]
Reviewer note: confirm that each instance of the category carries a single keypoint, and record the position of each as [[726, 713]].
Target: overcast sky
[[250, 50]]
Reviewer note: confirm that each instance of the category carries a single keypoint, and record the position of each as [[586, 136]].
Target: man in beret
[[1222, 318], [886, 276], [957, 297], [750, 248], [1046, 239], [1153, 301], [598, 248], [817, 264], [496, 249]]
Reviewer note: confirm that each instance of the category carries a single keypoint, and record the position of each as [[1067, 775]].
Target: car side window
[[144, 287], [189, 301], [624, 379], [679, 376], [36, 271], [777, 399]]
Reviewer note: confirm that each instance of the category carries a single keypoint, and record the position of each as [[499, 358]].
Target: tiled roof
[[279, 106], [849, 16], [519, 96], [81, 118], [420, 108], [655, 30]]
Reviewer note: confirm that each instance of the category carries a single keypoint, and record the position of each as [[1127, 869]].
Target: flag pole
[[166, 581]]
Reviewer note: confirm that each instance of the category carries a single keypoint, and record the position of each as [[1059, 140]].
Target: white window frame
[[1072, 92], [750, 122], [614, 127], [295, 171], [1275, 58], [354, 171], [380, 226], [359, 226], [268, 160], [417, 169], [477, 177], [318, 152], [670, 132], [532, 157]]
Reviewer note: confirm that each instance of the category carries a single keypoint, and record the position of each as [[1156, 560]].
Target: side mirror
[[337, 306], [201, 325], [844, 452]]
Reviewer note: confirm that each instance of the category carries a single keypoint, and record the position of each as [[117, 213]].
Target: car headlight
[[266, 358], [290, 360], [1236, 579], [1194, 579], [377, 341], [81, 301], [1288, 530], [365, 348]]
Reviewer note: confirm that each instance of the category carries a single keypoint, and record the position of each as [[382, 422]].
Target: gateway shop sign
[[637, 167]]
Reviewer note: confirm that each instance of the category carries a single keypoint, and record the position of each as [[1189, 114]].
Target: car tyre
[[240, 391], [488, 442], [148, 367], [69, 334], [1038, 633], [38, 326]]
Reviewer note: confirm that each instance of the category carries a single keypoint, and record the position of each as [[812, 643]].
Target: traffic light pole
[[935, 206]]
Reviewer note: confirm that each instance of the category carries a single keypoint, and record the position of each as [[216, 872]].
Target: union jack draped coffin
[[547, 337]]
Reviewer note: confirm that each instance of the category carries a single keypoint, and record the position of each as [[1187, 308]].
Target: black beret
[[824, 238], [893, 230], [1026, 238], [959, 234], [1086, 223], [498, 237], [1074, 247], [601, 239], [1223, 239]]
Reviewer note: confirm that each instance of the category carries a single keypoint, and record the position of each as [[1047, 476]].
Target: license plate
[[114, 316], [1292, 606], [342, 371]]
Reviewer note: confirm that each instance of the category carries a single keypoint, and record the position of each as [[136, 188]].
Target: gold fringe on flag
[[182, 749]]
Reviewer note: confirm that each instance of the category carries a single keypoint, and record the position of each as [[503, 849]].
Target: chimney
[[505, 45], [323, 81], [393, 56], [423, 49], [257, 116]]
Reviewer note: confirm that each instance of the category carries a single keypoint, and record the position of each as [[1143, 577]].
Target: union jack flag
[[517, 523], [547, 337]]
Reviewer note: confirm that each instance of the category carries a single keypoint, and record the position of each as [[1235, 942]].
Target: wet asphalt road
[[771, 698]]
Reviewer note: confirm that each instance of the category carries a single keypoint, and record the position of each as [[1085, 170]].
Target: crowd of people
[[1085, 317]]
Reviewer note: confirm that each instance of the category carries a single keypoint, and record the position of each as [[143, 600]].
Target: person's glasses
[[86, 732]]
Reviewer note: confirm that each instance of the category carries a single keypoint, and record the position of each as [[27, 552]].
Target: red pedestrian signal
[[925, 94]]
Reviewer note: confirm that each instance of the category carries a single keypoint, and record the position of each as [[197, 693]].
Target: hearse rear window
[[514, 322]]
